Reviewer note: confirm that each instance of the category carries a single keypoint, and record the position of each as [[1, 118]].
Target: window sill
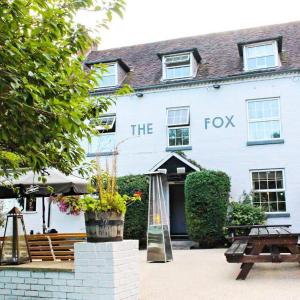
[[266, 142], [178, 148], [28, 212], [278, 215], [101, 154]]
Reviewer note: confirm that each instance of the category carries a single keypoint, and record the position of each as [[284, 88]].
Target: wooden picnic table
[[274, 244]]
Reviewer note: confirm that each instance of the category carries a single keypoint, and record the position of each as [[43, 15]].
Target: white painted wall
[[222, 149]]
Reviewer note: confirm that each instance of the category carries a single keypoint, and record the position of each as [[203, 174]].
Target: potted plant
[[104, 210]]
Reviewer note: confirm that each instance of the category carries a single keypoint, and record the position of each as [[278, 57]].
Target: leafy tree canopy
[[44, 90]]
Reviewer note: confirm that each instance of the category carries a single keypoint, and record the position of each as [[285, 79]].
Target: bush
[[206, 200], [244, 213], [136, 218]]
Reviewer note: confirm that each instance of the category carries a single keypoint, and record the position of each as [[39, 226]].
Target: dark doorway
[[177, 211]]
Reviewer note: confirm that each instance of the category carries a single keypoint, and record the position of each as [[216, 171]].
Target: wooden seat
[[235, 253]]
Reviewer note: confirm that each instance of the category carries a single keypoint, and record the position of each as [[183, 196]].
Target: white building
[[229, 101]]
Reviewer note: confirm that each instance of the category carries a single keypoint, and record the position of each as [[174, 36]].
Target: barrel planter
[[104, 226]]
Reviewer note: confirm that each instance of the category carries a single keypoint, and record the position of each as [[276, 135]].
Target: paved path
[[205, 275]]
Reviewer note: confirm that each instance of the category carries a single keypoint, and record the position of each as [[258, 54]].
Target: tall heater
[[159, 248]]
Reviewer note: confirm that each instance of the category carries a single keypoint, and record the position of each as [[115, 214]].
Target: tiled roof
[[219, 53]]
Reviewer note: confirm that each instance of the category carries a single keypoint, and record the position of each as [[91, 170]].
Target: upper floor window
[[105, 141], [178, 121], [109, 77], [261, 56], [177, 66], [264, 119], [269, 190]]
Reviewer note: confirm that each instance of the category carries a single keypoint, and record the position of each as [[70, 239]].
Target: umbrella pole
[[49, 212], [44, 222]]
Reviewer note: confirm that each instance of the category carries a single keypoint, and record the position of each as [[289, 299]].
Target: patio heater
[[15, 248], [159, 248]]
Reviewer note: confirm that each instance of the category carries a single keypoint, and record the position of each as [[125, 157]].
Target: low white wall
[[104, 271]]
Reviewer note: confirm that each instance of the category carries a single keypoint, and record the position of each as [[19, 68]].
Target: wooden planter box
[[104, 227]]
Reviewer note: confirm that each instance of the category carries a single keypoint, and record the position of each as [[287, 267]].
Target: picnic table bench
[[265, 243]]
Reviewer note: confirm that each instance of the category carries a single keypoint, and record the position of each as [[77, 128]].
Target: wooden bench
[[53, 246], [235, 253]]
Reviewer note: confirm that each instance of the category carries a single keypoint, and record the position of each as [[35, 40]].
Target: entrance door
[[177, 214]]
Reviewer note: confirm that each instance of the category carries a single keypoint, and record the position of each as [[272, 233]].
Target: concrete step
[[183, 244]]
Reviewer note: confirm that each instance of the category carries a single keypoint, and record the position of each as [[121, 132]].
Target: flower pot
[[104, 227]]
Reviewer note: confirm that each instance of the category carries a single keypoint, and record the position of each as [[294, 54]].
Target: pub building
[[226, 101]]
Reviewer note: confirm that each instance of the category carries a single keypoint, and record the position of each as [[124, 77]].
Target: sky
[[147, 21]]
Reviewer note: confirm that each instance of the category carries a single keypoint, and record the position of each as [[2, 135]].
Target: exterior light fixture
[[15, 248], [181, 170], [216, 86], [139, 95]]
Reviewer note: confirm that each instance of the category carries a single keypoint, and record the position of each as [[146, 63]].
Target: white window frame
[[98, 150], [179, 127], [106, 127], [179, 108], [107, 65], [265, 119], [283, 189], [276, 55], [164, 77]]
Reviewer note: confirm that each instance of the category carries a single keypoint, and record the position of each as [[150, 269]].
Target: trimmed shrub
[[243, 213], [206, 201], [136, 218]]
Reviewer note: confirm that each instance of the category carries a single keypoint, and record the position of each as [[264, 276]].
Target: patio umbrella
[[58, 183]]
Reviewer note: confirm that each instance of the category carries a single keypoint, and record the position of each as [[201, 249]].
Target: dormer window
[[179, 65], [261, 56], [109, 77], [114, 73]]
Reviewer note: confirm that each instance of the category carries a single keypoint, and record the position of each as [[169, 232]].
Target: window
[[109, 77], [104, 122], [264, 119], [268, 189], [178, 120], [177, 66], [105, 141], [27, 203], [261, 56], [102, 143]]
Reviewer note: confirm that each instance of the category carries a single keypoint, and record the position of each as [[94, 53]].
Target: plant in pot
[[104, 211]]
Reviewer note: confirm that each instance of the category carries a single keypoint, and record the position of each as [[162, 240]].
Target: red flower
[[137, 194]]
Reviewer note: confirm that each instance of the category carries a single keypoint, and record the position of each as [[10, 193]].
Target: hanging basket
[[104, 226]]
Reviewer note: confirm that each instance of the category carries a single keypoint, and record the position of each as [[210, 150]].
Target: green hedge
[[206, 201], [136, 218]]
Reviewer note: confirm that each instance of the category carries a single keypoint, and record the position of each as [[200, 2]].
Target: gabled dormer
[[115, 72], [180, 64], [261, 54]]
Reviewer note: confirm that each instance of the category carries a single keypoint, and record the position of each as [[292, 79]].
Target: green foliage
[[136, 217], [108, 202], [244, 213], [206, 200], [2, 217], [44, 91]]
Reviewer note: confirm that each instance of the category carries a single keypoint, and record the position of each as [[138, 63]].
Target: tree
[[45, 102]]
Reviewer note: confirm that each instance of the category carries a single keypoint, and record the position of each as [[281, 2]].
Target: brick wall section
[[106, 271]]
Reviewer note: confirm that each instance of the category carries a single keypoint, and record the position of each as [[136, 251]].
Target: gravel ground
[[205, 275]]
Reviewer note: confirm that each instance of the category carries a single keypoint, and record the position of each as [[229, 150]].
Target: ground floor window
[[27, 203], [269, 190]]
